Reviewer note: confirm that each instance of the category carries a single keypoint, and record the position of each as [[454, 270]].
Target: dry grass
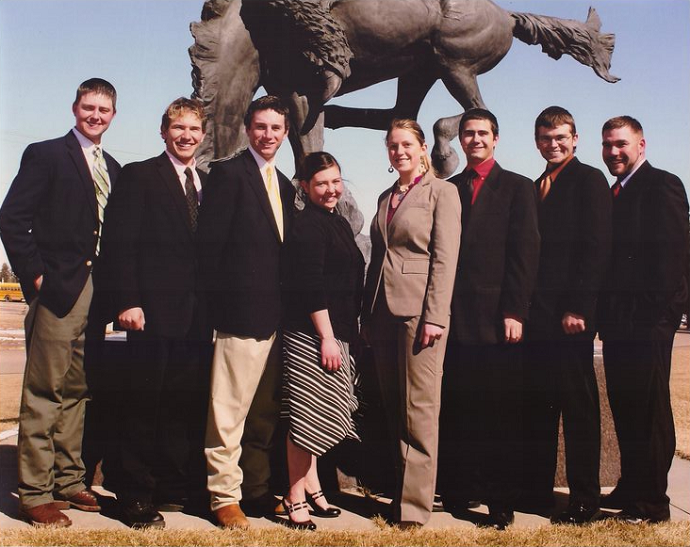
[[606, 533]]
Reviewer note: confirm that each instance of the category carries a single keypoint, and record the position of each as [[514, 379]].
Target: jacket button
[[89, 263], [95, 232]]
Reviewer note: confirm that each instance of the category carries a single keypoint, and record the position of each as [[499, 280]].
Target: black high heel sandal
[[291, 508], [329, 513]]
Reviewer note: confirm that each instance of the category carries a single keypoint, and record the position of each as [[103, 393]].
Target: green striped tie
[[100, 180]]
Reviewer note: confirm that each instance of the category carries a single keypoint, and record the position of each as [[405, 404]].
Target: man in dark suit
[[149, 246], [482, 374], [50, 224], [242, 226], [642, 301], [575, 227]]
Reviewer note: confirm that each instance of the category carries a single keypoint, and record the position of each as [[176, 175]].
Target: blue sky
[[47, 47]]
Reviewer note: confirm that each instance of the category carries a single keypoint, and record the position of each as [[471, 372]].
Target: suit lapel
[[77, 155], [382, 215], [172, 184], [256, 182]]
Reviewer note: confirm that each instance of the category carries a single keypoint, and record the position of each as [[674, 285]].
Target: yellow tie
[[274, 198]]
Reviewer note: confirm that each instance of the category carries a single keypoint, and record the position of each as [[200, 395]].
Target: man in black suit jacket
[[642, 301], [482, 374], [50, 225], [575, 226], [242, 226], [149, 246]]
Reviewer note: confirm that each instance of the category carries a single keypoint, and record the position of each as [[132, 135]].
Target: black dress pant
[[560, 381], [480, 455], [164, 405], [637, 379]]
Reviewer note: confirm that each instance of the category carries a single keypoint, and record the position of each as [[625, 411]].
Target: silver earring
[[390, 169]]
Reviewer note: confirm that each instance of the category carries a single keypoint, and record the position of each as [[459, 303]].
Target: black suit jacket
[[49, 221], [499, 251], [575, 228], [149, 247], [240, 247], [646, 286]]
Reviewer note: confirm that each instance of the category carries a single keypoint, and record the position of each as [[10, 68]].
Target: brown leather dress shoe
[[85, 500], [46, 514], [231, 516]]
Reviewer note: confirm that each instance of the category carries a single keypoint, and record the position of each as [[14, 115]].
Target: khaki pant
[[410, 380], [54, 395], [245, 373]]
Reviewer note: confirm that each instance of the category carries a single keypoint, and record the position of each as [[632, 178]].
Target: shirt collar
[[555, 172], [260, 161], [86, 143], [180, 167], [484, 168], [639, 163]]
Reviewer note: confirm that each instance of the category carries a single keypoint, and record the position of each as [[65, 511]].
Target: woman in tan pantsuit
[[415, 238]]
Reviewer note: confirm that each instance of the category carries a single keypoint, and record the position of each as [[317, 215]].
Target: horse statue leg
[[462, 85], [412, 89]]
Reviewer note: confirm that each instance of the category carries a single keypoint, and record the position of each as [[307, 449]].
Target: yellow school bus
[[11, 292]]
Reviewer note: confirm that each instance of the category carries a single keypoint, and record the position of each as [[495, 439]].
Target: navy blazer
[[49, 221], [575, 228], [498, 261], [646, 287], [149, 248], [240, 247]]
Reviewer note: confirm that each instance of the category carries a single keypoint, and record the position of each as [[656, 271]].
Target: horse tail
[[582, 41]]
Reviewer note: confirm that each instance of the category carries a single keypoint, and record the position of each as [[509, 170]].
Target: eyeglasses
[[560, 139]]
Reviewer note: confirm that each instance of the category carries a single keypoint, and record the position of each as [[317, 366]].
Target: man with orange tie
[[644, 295], [242, 226], [149, 245], [575, 226], [50, 224]]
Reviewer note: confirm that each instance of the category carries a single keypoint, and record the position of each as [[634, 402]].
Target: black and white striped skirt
[[319, 403]]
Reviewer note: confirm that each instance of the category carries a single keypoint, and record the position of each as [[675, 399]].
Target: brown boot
[[85, 500], [231, 516], [46, 514]]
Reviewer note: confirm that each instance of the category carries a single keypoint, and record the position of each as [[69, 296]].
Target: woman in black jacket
[[323, 286]]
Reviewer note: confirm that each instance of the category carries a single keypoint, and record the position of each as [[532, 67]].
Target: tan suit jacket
[[414, 258]]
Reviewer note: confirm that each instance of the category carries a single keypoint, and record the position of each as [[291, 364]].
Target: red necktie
[[615, 189]]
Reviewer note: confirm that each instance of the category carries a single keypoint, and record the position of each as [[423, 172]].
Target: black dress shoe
[[615, 500], [577, 513], [459, 506], [138, 514], [499, 520], [329, 512], [634, 517]]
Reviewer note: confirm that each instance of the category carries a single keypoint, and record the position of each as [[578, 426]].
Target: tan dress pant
[[236, 373], [54, 395], [410, 381]]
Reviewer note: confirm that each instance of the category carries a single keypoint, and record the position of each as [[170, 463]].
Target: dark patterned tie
[[615, 189], [192, 197]]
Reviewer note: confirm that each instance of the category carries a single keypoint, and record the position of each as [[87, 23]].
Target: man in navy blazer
[[246, 214], [575, 226], [149, 245], [644, 295], [481, 399], [50, 224]]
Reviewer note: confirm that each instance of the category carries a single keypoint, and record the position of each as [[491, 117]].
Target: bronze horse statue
[[416, 41]]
